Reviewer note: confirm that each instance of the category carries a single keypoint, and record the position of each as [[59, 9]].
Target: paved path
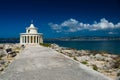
[[40, 63]]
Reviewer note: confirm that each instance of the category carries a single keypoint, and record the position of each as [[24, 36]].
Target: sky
[[60, 18]]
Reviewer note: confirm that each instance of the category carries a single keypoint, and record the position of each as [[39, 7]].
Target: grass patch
[[45, 44], [95, 67], [75, 58], [84, 62], [118, 74]]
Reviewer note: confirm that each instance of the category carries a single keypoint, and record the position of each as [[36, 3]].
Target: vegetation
[[117, 62], [2, 54], [84, 62], [75, 58], [45, 44], [1, 47], [70, 55], [118, 74], [95, 67]]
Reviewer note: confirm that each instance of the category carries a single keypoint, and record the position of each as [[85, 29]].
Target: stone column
[[20, 39], [29, 39], [33, 39], [26, 39], [36, 39], [23, 39]]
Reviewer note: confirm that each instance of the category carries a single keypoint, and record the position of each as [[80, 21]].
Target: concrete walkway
[[40, 63]]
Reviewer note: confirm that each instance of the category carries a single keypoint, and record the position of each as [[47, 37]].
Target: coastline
[[104, 46], [105, 63]]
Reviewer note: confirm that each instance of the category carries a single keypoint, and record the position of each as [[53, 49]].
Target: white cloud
[[70, 22], [54, 26], [117, 25], [72, 25], [103, 24]]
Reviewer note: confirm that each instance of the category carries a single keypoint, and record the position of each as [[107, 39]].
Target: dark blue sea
[[106, 46]]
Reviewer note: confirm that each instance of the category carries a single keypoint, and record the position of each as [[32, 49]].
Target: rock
[[54, 46], [83, 58], [118, 78], [13, 54], [108, 59], [109, 65], [92, 56], [6, 46], [1, 68], [114, 56], [118, 75], [2, 53], [84, 52], [1, 46], [9, 50], [99, 57], [68, 53], [2, 62]]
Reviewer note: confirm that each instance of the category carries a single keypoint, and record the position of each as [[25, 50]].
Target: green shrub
[[2, 54], [70, 55], [1, 47], [118, 74], [75, 58], [84, 62], [95, 67], [117, 62], [45, 44]]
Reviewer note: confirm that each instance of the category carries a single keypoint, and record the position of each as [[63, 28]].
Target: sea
[[112, 47]]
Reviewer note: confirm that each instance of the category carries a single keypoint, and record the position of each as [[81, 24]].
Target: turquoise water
[[107, 46]]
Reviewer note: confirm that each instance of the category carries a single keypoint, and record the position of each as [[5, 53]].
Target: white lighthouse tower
[[31, 36]]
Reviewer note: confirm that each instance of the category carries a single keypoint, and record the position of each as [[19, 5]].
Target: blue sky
[[61, 18]]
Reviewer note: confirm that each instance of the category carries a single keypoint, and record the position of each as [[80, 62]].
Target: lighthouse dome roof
[[31, 29]]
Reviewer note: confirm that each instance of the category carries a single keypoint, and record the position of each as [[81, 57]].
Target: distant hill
[[9, 40], [78, 38], [83, 38]]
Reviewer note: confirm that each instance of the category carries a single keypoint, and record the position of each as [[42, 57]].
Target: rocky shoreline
[[108, 64], [7, 54]]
